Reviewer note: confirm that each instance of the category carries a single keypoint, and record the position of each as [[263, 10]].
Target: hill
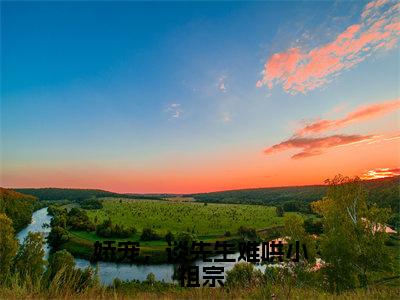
[[18, 207], [384, 192], [55, 194]]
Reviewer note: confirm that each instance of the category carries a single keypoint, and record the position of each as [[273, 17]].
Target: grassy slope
[[162, 216], [210, 222]]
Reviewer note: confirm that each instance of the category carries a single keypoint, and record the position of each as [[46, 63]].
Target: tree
[[8, 246], [18, 207], [294, 231], [279, 211], [29, 262], [57, 237], [60, 261], [244, 276], [169, 237], [149, 234], [352, 244], [248, 233], [313, 226]]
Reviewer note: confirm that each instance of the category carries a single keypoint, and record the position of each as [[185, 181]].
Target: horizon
[[193, 97], [185, 194]]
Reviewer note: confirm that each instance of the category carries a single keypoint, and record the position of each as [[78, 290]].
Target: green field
[[199, 218]]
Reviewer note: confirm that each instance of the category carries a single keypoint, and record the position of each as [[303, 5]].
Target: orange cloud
[[316, 145], [380, 173], [301, 71], [360, 114]]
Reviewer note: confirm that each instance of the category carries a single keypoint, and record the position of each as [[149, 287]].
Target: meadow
[[202, 219]]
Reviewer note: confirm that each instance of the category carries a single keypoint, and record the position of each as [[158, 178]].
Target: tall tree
[[8, 246], [29, 262], [353, 241]]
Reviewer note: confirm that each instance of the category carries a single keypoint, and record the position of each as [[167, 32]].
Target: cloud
[[311, 146], [360, 114], [226, 117], [175, 110], [380, 173], [222, 86], [298, 70]]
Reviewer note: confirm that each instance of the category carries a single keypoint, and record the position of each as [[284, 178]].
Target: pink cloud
[[301, 71], [311, 146], [360, 114]]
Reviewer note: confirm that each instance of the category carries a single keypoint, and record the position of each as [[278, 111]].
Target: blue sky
[[156, 88]]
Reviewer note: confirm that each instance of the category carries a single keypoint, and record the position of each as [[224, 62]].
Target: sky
[[186, 97]]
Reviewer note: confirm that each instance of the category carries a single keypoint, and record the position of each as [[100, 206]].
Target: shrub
[[57, 237], [247, 232], [107, 229], [169, 237], [149, 234], [244, 275]]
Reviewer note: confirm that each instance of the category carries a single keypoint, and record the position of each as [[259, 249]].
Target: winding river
[[108, 271]]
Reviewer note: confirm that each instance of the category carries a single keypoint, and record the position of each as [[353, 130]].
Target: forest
[[17, 206], [57, 194]]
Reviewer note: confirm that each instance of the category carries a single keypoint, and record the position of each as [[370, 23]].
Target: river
[[108, 271]]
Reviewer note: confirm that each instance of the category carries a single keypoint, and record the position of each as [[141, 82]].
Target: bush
[[169, 237], [107, 229], [313, 226], [79, 220], [149, 234], [247, 233], [57, 237], [244, 275], [92, 203], [279, 211]]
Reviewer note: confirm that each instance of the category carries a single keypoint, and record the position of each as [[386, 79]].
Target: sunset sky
[[188, 97]]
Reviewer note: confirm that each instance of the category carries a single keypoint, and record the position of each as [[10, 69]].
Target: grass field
[[205, 220], [209, 222]]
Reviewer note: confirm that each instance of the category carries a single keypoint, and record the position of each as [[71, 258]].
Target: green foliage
[[91, 203], [60, 260], [279, 211], [78, 219], [298, 196], [18, 207], [247, 233], [59, 220], [149, 234], [57, 237], [151, 279], [313, 226], [29, 262], [394, 221], [294, 231], [107, 229], [244, 275], [164, 216], [353, 245], [169, 237], [8, 246], [299, 206], [384, 193], [57, 194]]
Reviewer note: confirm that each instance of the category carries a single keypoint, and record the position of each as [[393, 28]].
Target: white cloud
[[221, 84], [174, 110]]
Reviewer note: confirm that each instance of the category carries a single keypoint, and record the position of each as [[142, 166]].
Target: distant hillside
[[55, 194], [385, 192], [18, 207]]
